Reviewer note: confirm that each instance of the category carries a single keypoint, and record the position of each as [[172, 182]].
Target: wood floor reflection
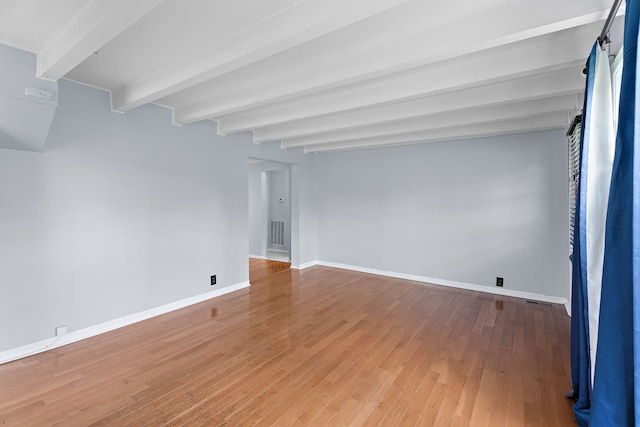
[[320, 346], [261, 268]]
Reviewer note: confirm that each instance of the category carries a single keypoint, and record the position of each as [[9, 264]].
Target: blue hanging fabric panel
[[580, 367], [616, 390], [597, 153]]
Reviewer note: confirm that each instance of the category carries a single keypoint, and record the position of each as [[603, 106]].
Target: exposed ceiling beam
[[472, 116], [327, 74], [335, 55], [559, 82], [298, 23], [545, 121], [521, 60], [511, 23], [95, 24]]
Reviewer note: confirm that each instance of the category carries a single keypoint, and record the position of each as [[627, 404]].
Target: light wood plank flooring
[[261, 268], [320, 346]]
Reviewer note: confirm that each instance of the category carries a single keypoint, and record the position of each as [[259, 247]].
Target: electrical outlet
[[61, 330], [499, 281], [213, 280]]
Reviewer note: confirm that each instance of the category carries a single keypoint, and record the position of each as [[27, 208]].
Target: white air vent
[[277, 233]]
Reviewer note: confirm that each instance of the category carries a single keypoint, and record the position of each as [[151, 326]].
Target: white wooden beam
[[545, 121], [367, 35], [547, 53], [95, 24], [561, 82], [466, 117], [296, 24], [500, 26]]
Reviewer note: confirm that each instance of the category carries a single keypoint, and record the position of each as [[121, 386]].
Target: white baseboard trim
[[91, 331], [452, 284], [305, 265], [257, 256]]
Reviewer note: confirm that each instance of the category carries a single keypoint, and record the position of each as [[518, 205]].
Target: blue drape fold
[[616, 391], [580, 367]]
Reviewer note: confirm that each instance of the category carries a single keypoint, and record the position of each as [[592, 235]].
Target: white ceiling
[[324, 74]]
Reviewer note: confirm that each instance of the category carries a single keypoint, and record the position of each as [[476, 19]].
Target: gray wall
[[122, 213], [464, 211], [24, 120], [257, 213]]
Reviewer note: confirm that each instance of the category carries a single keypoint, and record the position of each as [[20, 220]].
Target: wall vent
[[277, 233]]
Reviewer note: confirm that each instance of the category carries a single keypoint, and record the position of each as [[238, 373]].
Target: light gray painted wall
[[464, 211], [257, 213], [25, 120], [125, 212], [122, 213]]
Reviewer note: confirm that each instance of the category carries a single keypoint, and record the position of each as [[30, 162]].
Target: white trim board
[[449, 283], [305, 265], [91, 331]]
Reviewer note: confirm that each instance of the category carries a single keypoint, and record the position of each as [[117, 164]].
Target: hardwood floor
[[261, 268], [320, 346]]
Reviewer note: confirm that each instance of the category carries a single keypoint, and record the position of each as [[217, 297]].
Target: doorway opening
[[271, 213]]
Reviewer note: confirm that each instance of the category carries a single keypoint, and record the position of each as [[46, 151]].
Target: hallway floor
[[261, 268]]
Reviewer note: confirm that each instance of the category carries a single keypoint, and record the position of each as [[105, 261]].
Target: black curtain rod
[[604, 35]]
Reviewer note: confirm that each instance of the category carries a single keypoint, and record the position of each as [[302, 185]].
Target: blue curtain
[[580, 366], [616, 391], [597, 155], [606, 375]]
